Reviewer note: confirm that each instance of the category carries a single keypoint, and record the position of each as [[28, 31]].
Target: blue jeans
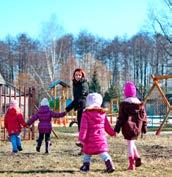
[[104, 156], [15, 141]]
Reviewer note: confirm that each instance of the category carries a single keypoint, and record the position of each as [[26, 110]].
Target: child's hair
[[129, 89], [94, 100], [79, 70], [44, 102]]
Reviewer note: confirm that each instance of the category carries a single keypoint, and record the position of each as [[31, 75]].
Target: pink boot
[[131, 163]]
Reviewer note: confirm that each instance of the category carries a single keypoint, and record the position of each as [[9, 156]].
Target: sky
[[104, 18]]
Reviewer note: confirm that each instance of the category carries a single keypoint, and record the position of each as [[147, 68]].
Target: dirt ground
[[156, 153]]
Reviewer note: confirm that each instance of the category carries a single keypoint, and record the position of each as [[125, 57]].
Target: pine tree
[[111, 93], [94, 85]]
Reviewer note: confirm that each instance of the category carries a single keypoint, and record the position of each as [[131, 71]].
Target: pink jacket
[[94, 125]]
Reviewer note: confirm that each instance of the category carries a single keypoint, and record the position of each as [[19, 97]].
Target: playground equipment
[[26, 101], [59, 92], [113, 108], [156, 84]]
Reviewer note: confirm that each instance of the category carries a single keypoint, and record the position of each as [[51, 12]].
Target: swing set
[[156, 84]]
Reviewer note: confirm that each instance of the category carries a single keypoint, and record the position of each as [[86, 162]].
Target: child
[[92, 135], [44, 115], [133, 120], [80, 92], [13, 123]]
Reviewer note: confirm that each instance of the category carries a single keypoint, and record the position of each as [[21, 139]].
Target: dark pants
[[79, 115], [41, 137]]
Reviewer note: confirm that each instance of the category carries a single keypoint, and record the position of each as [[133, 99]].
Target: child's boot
[[47, 147], [19, 148], [131, 163], [138, 161], [109, 166], [85, 167], [38, 147]]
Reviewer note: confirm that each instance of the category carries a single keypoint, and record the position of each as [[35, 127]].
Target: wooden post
[[163, 122]]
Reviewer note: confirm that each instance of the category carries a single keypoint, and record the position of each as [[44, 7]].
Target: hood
[[43, 109], [11, 112], [94, 100], [131, 108], [96, 115]]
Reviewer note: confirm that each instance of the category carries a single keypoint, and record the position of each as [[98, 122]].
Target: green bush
[[54, 103]]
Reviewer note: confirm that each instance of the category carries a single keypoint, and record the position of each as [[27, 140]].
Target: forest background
[[108, 63]]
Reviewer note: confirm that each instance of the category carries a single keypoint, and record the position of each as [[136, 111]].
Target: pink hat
[[129, 89]]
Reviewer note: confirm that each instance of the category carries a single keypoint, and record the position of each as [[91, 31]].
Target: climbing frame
[[156, 84]]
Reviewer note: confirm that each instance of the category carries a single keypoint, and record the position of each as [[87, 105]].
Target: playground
[[64, 159]]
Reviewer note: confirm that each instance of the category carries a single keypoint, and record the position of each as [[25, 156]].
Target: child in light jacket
[[94, 125]]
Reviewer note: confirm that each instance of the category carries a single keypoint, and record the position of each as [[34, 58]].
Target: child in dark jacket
[[13, 123], [133, 121], [44, 115]]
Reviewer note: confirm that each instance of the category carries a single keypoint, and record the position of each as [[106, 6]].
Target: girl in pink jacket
[[94, 125]]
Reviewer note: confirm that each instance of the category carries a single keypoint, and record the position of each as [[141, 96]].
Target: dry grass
[[64, 160]]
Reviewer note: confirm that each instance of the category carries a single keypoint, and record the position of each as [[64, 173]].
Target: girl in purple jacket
[[92, 135], [44, 115]]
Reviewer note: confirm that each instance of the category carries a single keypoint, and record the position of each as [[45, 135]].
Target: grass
[[156, 153]]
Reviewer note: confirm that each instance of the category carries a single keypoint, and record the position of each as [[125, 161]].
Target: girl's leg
[[105, 156], [39, 141], [87, 158], [108, 162], [131, 144], [86, 163], [136, 154], [18, 142], [79, 115], [13, 143], [131, 154], [137, 157], [47, 142]]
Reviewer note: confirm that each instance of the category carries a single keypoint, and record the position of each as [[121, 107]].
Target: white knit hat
[[14, 103], [44, 102], [94, 100]]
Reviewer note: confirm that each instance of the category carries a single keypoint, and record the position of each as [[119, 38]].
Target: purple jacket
[[94, 125], [45, 114]]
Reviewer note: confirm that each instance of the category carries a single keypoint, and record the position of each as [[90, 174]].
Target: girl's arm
[[57, 114], [32, 119], [108, 128], [72, 105], [21, 120], [120, 119]]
